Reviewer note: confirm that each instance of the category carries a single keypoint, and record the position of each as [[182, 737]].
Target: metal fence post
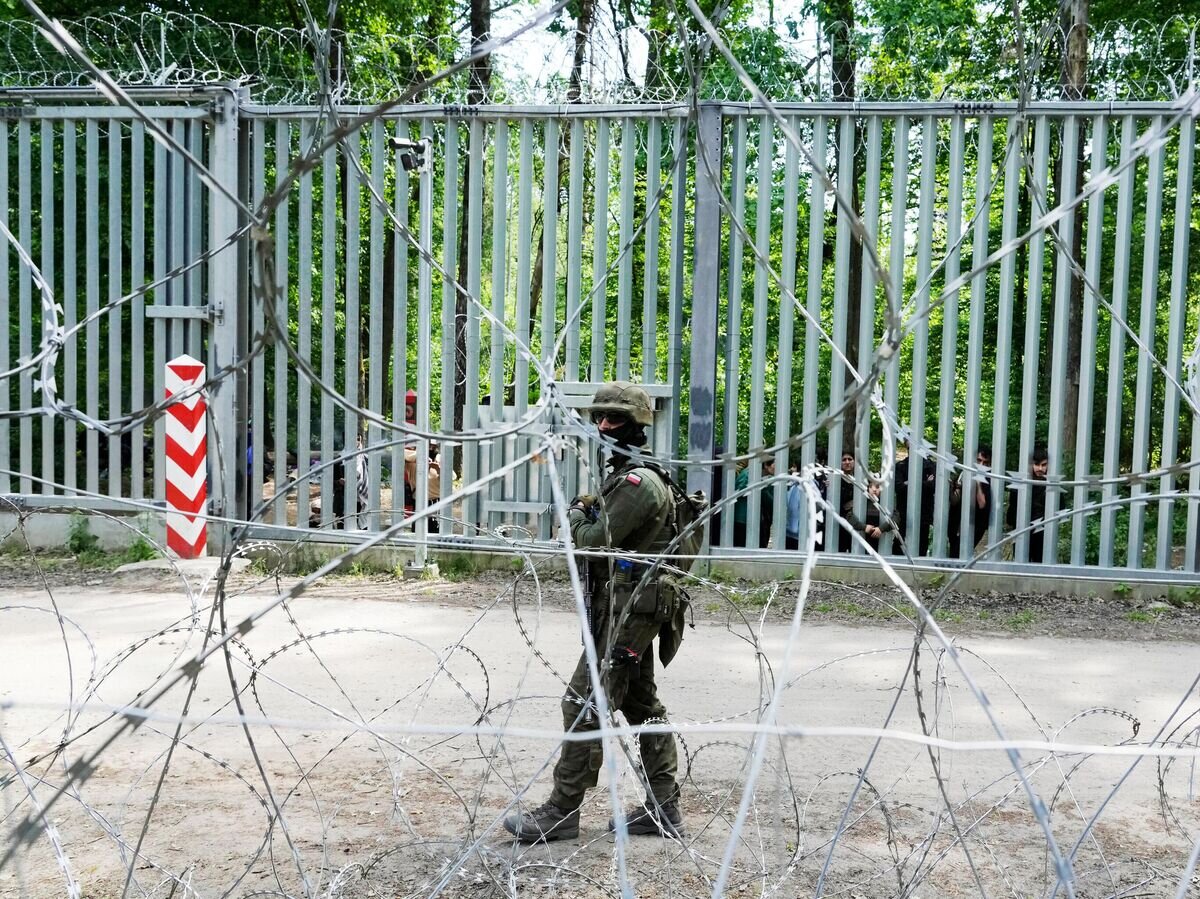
[[702, 379], [226, 402]]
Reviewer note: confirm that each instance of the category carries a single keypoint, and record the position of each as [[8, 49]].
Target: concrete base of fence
[[114, 529], [1105, 584]]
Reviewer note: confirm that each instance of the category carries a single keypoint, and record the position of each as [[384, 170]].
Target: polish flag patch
[[633, 479]]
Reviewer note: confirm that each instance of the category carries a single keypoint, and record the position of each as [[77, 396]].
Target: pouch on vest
[[625, 580], [670, 634]]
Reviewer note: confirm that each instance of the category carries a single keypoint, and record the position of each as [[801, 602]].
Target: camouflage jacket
[[632, 512]]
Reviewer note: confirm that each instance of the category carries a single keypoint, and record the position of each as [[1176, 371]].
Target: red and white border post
[[187, 460]]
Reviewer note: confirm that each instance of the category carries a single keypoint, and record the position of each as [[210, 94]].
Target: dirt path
[[395, 811]]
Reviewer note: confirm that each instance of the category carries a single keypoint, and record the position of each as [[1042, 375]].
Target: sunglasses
[[614, 418]]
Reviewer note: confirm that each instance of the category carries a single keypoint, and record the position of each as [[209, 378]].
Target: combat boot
[[663, 820], [544, 824]]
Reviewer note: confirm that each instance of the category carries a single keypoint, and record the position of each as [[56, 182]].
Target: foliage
[[80, 539]]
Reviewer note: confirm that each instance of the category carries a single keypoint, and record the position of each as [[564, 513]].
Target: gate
[[135, 255]]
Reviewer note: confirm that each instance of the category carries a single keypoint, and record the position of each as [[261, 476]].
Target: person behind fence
[[766, 507], [875, 522], [977, 493], [633, 512], [795, 501], [1039, 467], [343, 518], [845, 538], [916, 533]]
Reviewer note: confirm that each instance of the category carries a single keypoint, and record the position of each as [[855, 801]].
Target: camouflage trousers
[[630, 689]]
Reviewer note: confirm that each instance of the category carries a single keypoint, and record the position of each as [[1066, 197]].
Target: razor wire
[[1142, 60], [779, 836]]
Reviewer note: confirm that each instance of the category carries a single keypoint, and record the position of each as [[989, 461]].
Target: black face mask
[[629, 434]]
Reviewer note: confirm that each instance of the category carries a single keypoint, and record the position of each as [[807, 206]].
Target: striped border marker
[[187, 460]]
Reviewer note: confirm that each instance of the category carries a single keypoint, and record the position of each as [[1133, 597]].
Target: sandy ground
[[410, 805]]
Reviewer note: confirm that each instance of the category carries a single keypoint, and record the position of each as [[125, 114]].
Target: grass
[[456, 568], [1020, 621], [1140, 617], [1182, 597], [852, 609], [85, 547]]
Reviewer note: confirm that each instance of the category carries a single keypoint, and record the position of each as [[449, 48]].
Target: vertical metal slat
[[399, 276], [549, 301], [841, 302], [353, 358], [50, 449], [600, 251], [92, 211], [1062, 305], [758, 344], [1116, 344], [376, 365], [920, 354], [25, 297], [449, 294], [424, 339], [160, 264], [1014, 136], [897, 221], [679, 181], [329, 218], [787, 316], [1033, 340], [1143, 396], [473, 285], [524, 242], [625, 259], [258, 435], [304, 322], [70, 305], [867, 298], [979, 253], [733, 328], [499, 343], [5, 339], [137, 280], [651, 261], [1088, 334], [816, 246], [948, 380], [574, 252], [115, 263], [1177, 316], [283, 391]]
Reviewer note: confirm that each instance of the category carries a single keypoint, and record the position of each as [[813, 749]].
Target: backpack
[[685, 514]]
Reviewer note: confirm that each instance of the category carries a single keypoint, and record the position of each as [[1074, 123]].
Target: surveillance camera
[[415, 155]]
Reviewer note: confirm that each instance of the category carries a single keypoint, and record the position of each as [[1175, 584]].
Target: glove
[[587, 504]]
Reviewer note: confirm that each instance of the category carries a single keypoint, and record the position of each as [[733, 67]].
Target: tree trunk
[[480, 83], [840, 16], [1074, 87], [435, 24]]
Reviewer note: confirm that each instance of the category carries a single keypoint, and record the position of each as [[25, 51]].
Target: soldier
[[632, 513]]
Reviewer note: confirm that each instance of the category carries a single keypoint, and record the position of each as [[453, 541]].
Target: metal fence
[[604, 240]]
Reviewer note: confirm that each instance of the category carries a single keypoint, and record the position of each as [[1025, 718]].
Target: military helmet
[[621, 396]]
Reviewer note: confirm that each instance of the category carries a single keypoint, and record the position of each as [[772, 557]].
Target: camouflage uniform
[[633, 514]]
